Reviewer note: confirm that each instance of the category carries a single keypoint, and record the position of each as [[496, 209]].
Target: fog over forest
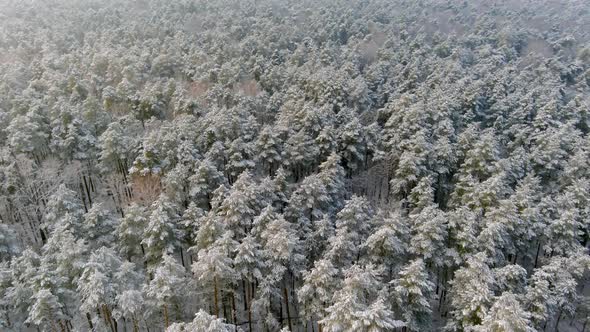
[[294, 165]]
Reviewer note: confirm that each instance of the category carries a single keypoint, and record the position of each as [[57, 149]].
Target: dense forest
[[294, 165]]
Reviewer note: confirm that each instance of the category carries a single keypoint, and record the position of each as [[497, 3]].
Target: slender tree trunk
[[147, 326], [244, 295], [440, 301], [215, 298], [537, 255], [166, 320], [437, 282], [558, 319], [91, 183], [107, 317], [87, 190], [281, 317], [286, 293], [182, 257], [234, 313], [250, 295], [112, 322], [7, 316], [223, 304], [83, 199], [135, 323], [43, 236], [177, 310]]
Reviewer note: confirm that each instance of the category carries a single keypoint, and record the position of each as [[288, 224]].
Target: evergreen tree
[[205, 180], [412, 290], [98, 286], [203, 322], [464, 227], [352, 229], [564, 232], [63, 202], [471, 295], [65, 256], [129, 231], [239, 207], [356, 306], [167, 287], [387, 243], [46, 311], [506, 314], [8, 243], [29, 133], [98, 226], [269, 148], [319, 284], [116, 148], [214, 268], [19, 293], [428, 231], [191, 222], [162, 233]]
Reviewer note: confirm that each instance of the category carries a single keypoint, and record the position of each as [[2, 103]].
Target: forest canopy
[[282, 165]]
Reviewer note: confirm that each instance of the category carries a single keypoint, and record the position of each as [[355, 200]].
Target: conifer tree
[[506, 314], [471, 295], [129, 231], [356, 306], [167, 287], [413, 290], [162, 233]]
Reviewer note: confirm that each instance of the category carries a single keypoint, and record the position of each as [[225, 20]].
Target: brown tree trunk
[[215, 298], [166, 320], [135, 324], [107, 317]]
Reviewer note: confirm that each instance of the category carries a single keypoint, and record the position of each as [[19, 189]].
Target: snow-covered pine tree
[[471, 295], [506, 314], [167, 288], [162, 234], [129, 231], [413, 290], [357, 304]]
